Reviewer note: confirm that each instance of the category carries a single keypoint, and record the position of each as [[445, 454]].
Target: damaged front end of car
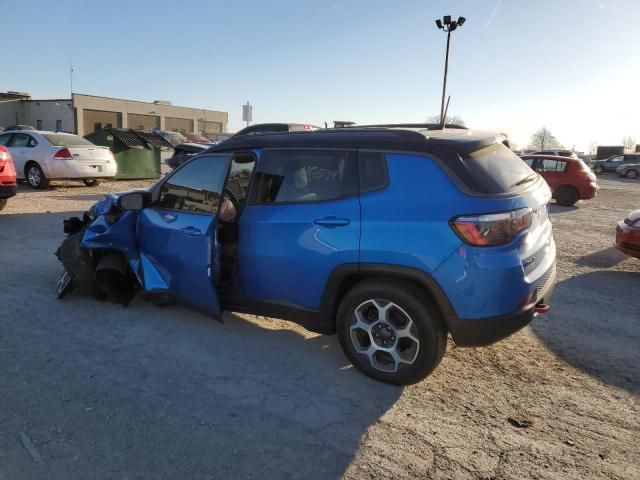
[[99, 255]]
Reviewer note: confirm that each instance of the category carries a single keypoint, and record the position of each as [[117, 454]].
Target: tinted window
[[20, 140], [66, 140], [196, 187], [4, 139], [372, 171], [496, 168], [304, 176], [554, 165]]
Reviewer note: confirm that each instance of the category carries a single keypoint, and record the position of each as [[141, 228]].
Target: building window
[[97, 126], [38, 124], [58, 125]]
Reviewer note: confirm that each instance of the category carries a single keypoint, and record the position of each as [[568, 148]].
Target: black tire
[[91, 182], [566, 195], [429, 326], [631, 173], [597, 169], [35, 177], [3, 203], [79, 264]]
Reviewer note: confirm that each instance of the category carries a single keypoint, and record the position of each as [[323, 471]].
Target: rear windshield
[[58, 140], [497, 169]]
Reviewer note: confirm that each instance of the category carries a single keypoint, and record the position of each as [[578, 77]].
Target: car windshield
[[67, 140]]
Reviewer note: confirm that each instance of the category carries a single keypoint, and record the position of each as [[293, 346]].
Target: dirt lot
[[94, 390]]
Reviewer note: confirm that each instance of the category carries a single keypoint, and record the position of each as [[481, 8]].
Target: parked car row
[[626, 165]]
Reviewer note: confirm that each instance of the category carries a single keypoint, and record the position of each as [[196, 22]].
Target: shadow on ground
[[606, 258], [606, 347], [104, 391]]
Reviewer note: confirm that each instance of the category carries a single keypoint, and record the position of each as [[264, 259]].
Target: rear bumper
[[589, 191], [7, 191], [485, 331], [82, 169]]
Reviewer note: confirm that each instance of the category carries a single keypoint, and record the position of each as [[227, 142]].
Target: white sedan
[[43, 156]]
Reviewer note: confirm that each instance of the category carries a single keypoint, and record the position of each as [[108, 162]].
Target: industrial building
[[85, 114]]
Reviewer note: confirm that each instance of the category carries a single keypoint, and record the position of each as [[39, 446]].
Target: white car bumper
[[82, 169]]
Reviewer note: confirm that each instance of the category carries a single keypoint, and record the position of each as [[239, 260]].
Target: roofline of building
[[148, 103]]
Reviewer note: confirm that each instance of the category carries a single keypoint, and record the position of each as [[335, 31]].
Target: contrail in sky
[[493, 13]]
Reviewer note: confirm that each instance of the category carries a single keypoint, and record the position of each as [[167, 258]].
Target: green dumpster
[[137, 152]]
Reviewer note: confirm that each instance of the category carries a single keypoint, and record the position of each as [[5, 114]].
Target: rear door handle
[[332, 222], [191, 231]]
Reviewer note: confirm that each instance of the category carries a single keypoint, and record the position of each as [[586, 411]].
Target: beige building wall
[[129, 109], [142, 122], [211, 127], [181, 125], [97, 119]]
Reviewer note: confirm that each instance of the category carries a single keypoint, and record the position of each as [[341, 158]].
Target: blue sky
[[572, 65]]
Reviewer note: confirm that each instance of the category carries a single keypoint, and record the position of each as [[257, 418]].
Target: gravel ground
[[95, 390]]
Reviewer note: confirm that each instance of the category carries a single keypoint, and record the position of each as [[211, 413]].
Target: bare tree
[[629, 144], [449, 119], [543, 139]]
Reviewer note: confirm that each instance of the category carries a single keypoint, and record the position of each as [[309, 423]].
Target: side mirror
[[134, 200]]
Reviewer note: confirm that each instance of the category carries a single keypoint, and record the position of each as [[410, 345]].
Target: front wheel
[[91, 182], [390, 332], [3, 203], [631, 173], [597, 169]]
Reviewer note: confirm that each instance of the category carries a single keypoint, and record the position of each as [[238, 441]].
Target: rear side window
[[20, 140], [554, 165], [372, 171], [497, 169], [303, 176], [4, 139]]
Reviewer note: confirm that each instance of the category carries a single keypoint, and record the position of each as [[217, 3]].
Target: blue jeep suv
[[390, 237]]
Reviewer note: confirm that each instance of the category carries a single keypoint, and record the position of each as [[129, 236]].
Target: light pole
[[447, 25]]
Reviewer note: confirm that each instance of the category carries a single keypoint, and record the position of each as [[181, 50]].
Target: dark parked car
[[630, 170], [612, 163], [628, 234], [183, 152], [277, 128], [569, 178], [18, 127]]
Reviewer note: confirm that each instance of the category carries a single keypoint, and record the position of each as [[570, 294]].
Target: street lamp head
[[447, 19], [461, 21], [439, 24], [453, 26]]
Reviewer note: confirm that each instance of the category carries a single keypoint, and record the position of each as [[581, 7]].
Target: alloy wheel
[[34, 176], [385, 333]]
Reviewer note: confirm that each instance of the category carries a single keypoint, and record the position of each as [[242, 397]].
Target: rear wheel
[[91, 182], [35, 176], [631, 173], [566, 195], [390, 331]]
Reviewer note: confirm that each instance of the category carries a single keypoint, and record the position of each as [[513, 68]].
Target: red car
[[628, 234], [8, 186], [569, 178]]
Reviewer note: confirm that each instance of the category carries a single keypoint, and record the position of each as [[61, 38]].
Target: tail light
[[492, 229], [63, 154], [5, 156]]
